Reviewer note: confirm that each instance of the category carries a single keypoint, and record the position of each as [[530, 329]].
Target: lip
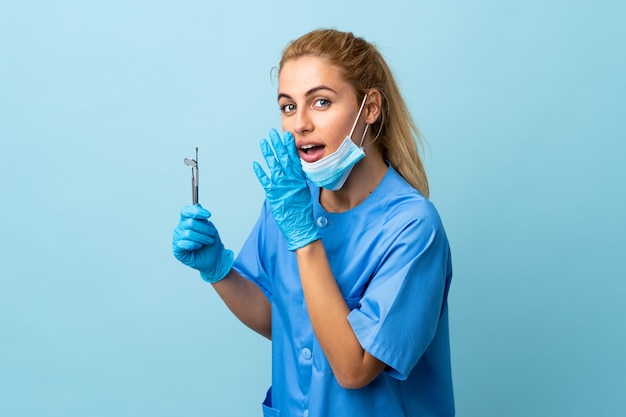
[[314, 153]]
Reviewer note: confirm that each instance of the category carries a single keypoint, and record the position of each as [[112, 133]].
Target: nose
[[302, 122]]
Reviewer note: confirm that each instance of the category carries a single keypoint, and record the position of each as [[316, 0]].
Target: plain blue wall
[[523, 108]]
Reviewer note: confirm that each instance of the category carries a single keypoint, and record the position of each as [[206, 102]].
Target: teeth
[[307, 147]]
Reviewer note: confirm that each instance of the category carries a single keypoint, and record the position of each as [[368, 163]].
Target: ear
[[373, 106]]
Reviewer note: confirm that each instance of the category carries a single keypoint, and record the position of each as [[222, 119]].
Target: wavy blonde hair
[[364, 68]]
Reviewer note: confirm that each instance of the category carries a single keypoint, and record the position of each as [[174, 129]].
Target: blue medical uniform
[[391, 259]]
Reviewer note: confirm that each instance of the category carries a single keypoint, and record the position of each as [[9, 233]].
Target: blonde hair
[[363, 66]]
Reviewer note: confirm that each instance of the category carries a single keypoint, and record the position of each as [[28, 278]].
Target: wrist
[[307, 245], [302, 240], [221, 270]]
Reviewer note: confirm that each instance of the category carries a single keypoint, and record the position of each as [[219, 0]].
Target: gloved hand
[[287, 191], [197, 244]]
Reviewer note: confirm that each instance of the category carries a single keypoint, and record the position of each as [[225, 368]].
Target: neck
[[364, 178]]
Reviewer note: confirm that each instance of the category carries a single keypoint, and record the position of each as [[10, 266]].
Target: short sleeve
[[251, 261], [399, 313]]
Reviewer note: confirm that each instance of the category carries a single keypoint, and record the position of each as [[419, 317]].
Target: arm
[[291, 206], [247, 302], [352, 365], [197, 244]]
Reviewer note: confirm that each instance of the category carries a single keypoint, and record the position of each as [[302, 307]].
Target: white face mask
[[332, 171]]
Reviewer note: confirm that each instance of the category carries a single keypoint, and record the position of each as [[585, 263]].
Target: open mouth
[[311, 152], [312, 148]]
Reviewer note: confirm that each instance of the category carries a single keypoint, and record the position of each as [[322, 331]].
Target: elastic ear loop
[[363, 137], [358, 116], [382, 115]]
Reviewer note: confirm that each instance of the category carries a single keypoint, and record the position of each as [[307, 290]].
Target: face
[[317, 106]]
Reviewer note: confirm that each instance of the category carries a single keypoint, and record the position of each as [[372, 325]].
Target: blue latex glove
[[197, 244], [287, 191]]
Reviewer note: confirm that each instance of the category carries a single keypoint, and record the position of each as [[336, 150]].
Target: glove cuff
[[221, 270], [301, 240]]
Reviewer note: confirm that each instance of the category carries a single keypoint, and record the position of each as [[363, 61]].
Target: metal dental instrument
[[193, 163]]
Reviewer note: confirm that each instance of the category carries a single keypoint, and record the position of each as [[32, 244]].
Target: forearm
[[246, 300], [328, 312]]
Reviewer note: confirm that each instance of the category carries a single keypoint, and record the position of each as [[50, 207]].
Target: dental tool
[[193, 163]]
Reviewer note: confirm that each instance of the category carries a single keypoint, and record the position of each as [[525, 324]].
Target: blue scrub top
[[391, 259]]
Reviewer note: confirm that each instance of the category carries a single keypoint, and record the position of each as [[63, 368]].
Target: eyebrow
[[308, 93]]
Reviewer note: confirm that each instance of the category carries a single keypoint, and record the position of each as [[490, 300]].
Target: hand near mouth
[[287, 190]]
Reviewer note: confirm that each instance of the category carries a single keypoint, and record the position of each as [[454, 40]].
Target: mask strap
[[357, 119], [363, 137]]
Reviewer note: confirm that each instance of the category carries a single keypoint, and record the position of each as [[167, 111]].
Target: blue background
[[523, 108]]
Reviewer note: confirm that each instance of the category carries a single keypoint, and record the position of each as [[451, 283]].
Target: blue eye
[[287, 108], [322, 102]]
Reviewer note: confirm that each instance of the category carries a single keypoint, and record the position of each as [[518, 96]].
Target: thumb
[[195, 211]]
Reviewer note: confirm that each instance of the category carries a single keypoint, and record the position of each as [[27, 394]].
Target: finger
[[292, 150], [193, 236], [268, 155], [261, 175], [279, 148], [276, 170], [194, 212], [204, 234], [187, 245], [202, 226]]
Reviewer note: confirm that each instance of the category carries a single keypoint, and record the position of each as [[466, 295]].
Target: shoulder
[[400, 203]]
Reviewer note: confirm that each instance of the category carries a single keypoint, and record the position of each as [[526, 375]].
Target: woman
[[348, 268]]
